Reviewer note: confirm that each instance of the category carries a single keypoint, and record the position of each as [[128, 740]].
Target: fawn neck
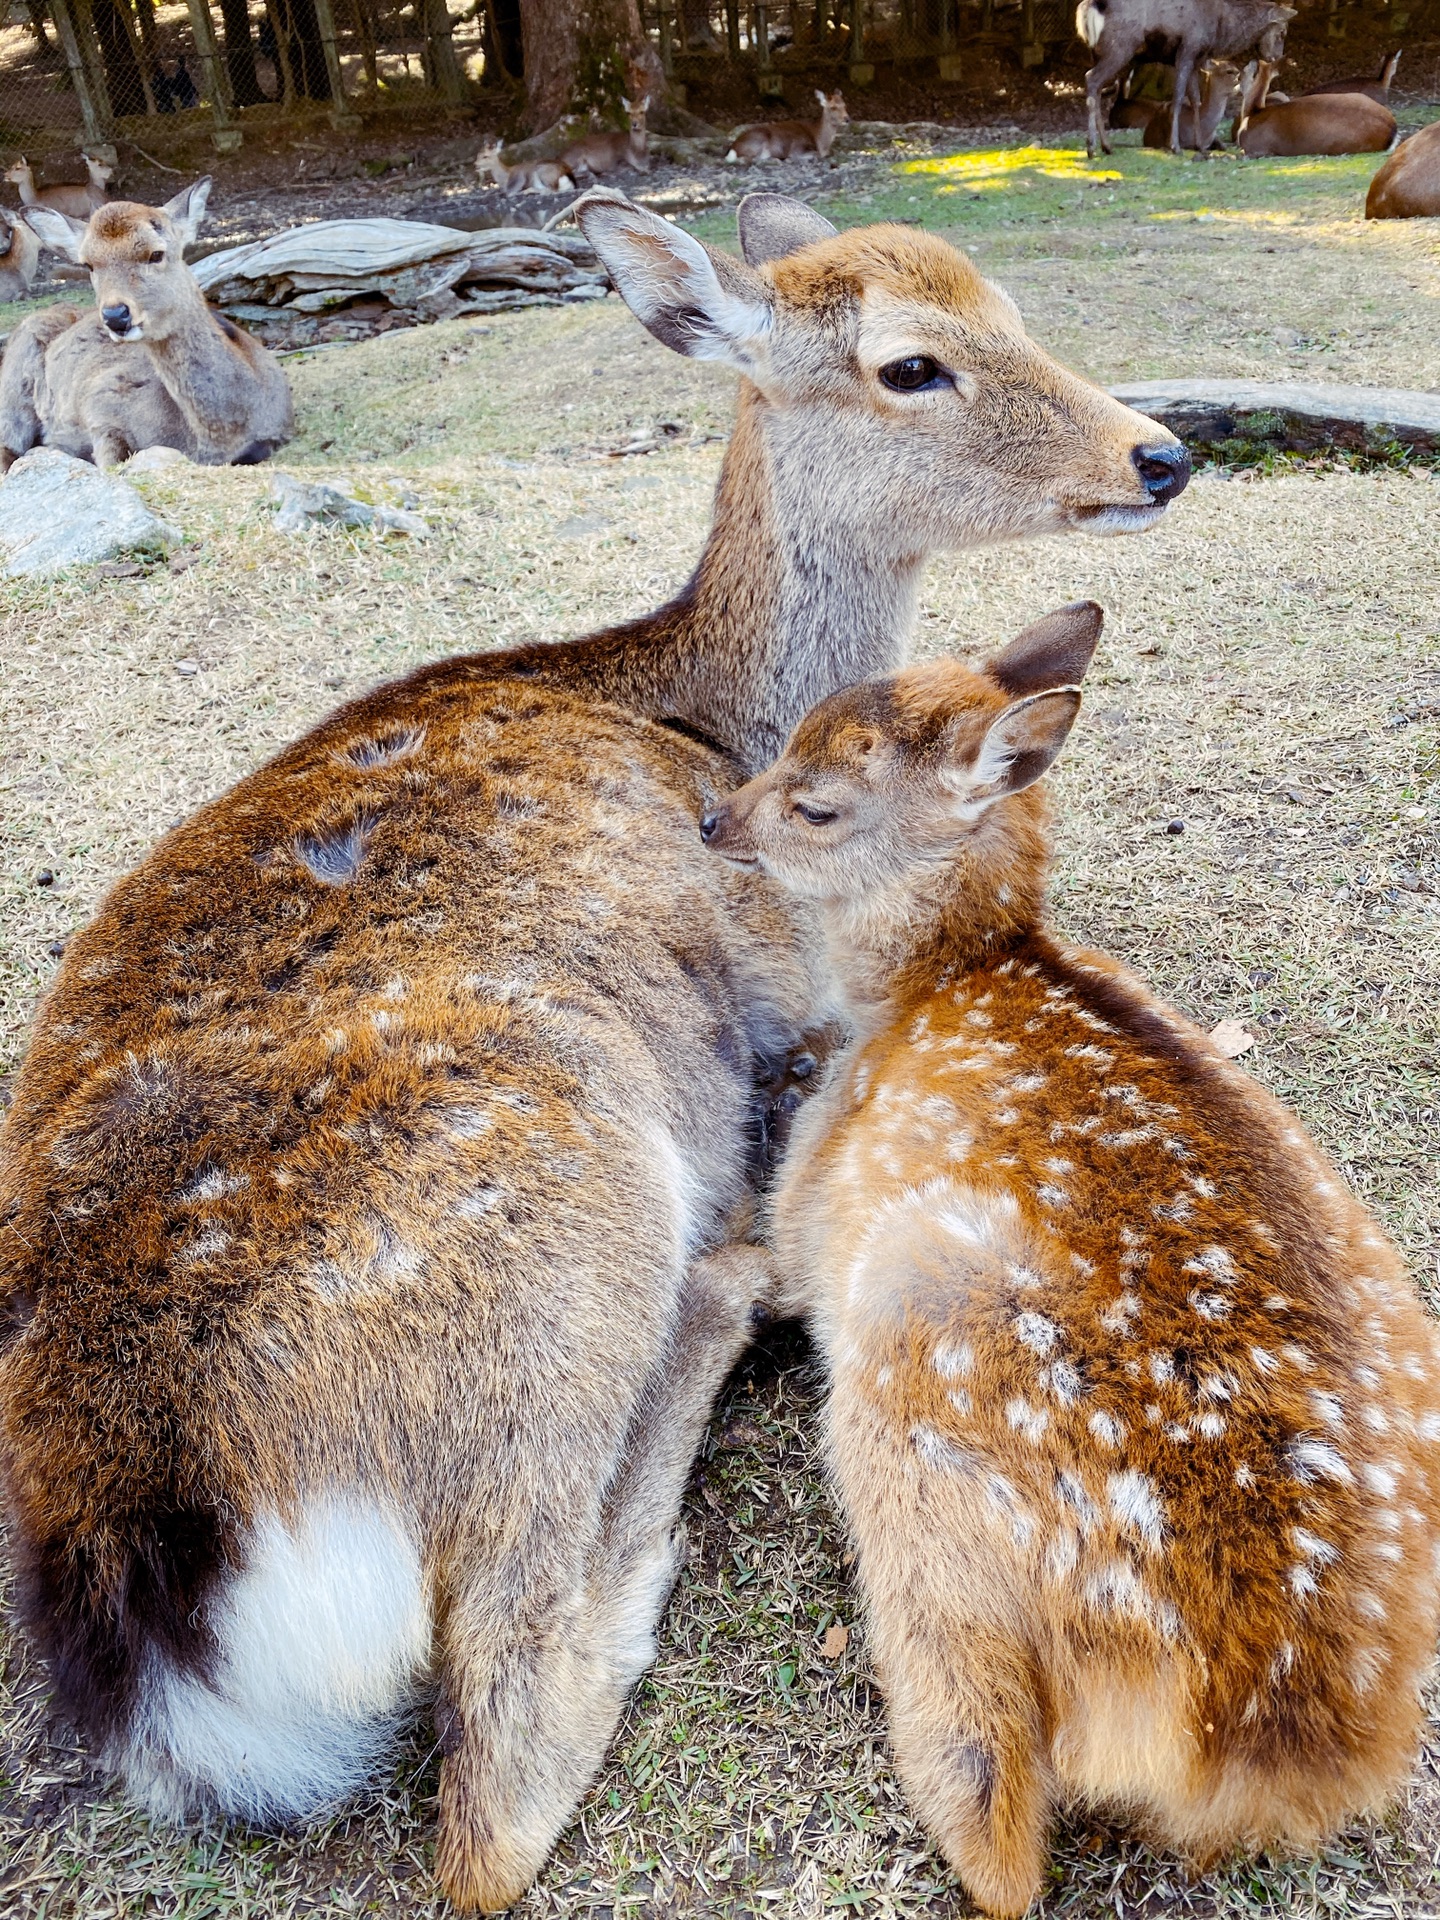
[[894, 943]]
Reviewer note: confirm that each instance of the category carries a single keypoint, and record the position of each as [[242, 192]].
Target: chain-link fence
[[82, 73]]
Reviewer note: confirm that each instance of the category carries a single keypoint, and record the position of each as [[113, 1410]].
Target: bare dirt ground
[[1270, 678]]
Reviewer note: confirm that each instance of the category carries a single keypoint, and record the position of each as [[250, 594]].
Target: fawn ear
[[1053, 653], [187, 209], [772, 225], [1023, 743], [699, 303], [57, 231]]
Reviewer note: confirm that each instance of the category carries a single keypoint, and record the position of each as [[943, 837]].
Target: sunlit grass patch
[[997, 165]]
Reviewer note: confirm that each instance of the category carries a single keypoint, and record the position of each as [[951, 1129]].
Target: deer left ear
[[1053, 653], [1023, 744], [187, 209]]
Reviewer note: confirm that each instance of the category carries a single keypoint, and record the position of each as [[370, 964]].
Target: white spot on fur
[[1210, 1425], [1313, 1460], [1135, 1504], [1117, 1316], [1107, 1429], [1031, 1421], [936, 1451], [950, 1362], [1328, 1407], [1033, 1330]]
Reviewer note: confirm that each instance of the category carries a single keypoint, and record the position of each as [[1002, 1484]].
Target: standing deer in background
[[78, 202], [1407, 187], [1193, 30], [1221, 82], [1134, 1414], [600, 153], [526, 176], [153, 366], [1329, 123], [20, 260], [787, 139], [367, 1179], [1376, 89]]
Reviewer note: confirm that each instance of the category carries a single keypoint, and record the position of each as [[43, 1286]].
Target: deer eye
[[815, 816], [155, 258], [916, 373]]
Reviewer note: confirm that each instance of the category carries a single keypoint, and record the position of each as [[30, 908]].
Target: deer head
[[136, 257]]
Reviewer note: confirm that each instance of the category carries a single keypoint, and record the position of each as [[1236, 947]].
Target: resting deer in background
[[787, 139], [79, 202], [368, 1178], [1193, 30], [1329, 123], [1407, 187], [1134, 1415], [600, 153], [1376, 89], [153, 366], [525, 176], [1221, 82], [20, 261]]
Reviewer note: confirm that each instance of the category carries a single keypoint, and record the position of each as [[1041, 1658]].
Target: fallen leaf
[[1231, 1039], [837, 1638]]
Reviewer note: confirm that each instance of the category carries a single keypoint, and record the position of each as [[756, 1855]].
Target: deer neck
[[195, 362], [785, 606]]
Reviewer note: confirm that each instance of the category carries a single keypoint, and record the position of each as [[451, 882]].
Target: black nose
[[708, 823], [116, 318], [1164, 471]]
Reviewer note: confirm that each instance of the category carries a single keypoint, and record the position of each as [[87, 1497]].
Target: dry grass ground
[[1271, 677]]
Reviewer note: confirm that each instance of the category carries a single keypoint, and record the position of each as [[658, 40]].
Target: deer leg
[[1107, 68], [533, 1695], [1184, 76]]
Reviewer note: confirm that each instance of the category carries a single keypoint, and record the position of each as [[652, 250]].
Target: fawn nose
[[117, 319], [709, 821], [1164, 471]]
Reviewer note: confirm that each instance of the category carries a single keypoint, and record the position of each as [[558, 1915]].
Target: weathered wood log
[[1291, 417]]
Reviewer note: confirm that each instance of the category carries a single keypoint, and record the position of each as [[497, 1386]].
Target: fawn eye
[[916, 373], [156, 257], [816, 816]]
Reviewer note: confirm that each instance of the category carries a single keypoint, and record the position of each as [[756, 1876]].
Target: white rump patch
[[323, 1638]]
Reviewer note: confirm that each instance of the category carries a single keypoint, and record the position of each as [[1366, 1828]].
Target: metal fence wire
[[82, 73]]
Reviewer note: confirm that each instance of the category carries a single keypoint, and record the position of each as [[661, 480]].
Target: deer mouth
[[1117, 520]]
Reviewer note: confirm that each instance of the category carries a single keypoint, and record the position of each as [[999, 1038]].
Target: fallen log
[[1291, 417]]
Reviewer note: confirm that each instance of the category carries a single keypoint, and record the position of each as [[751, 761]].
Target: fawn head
[[833, 107], [136, 257], [887, 781], [636, 114], [905, 404], [18, 173]]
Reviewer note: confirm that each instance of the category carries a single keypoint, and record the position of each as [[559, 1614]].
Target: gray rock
[[58, 512], [300, 504]]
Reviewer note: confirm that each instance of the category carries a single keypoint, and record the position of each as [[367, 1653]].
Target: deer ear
[[1053, 653], [55, 230], [698, 303], [187, 209], [772, 225], [1023, 744]]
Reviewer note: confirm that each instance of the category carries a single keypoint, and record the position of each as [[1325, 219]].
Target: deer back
[[1320, 124], [1407, 186]]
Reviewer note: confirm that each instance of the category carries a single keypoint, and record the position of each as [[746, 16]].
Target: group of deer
[[1204, 38], [377, 1202], [152, 363], [598, 155], [20, 259]]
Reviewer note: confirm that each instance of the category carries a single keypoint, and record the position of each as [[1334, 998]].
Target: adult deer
[[1376, 89], [363, 1179], [77, 201], [1314, 123], [1193, 30], [525, 176], [601, 153], [153, 365], [1407, 187], [20, 260], [786, 139], [1134, 1413]]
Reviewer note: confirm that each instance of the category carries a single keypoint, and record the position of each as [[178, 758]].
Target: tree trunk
[[505, 41], [304, 50], [585, 53], [245, 89]]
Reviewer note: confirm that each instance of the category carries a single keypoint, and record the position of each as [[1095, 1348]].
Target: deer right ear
[[56, 230], [773, 224], [187, 209], [1023, 744], [701, 304], [1053, 653]]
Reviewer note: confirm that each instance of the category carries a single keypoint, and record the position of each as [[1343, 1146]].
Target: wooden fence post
[[226, 136], [341, 118], [94, 117]]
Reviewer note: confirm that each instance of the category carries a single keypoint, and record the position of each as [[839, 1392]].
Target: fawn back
[[371, 1134], [1133, 1412]]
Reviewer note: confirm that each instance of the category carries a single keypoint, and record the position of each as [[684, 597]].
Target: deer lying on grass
[[1193, 30], [1221, 83], [1407, 187], [20, 260], [525, 176], [1134, 1414], [153, 365], [601, 153], [1376, 89], [79, 202], [366, 1175], [787, 139], [1328, 123]]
